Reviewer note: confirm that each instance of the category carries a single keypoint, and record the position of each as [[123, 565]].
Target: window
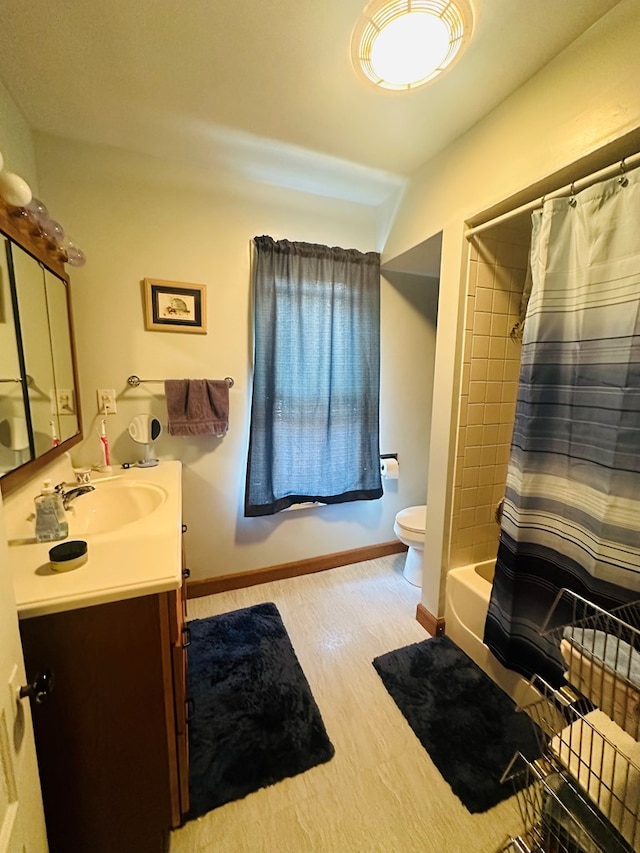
[[315, 405]]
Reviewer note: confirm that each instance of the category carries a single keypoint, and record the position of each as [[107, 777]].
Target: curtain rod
[[582, 183]]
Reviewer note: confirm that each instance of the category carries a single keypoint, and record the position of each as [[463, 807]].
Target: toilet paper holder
[[389, 470]]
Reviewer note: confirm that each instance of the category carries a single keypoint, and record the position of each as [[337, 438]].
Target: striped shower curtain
[[571, 516]]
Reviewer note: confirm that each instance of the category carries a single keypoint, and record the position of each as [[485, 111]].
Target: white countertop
[[140, 558]]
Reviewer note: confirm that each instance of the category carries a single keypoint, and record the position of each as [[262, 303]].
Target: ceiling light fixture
[[403, 44]]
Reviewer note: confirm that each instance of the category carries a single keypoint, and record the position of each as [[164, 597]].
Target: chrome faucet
[[69, 495]]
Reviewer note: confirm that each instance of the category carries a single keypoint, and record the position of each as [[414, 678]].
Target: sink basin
[[113, 505]]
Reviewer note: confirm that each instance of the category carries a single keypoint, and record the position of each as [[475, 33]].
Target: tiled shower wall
[[488, 391]]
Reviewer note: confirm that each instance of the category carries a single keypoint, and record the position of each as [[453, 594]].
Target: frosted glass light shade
[[14, 190], [403, 44]]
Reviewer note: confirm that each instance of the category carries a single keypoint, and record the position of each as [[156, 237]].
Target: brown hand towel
[[197, 406]]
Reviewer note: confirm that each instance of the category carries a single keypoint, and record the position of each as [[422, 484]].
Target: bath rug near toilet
[[468, 725], [254, 720]]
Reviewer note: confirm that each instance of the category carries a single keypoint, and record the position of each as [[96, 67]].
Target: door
[[22, 828]]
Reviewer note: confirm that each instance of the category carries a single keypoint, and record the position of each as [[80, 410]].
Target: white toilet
[[409, 528]]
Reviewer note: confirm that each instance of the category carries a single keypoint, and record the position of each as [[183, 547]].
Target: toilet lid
[[413, 518]]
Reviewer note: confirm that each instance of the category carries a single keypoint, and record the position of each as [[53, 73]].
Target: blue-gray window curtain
[[315, 404], [571, 516]]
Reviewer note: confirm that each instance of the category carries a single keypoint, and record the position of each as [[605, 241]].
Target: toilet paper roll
[[389, 469]]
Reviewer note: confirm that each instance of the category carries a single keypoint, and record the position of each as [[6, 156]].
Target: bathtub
[[467, 594]]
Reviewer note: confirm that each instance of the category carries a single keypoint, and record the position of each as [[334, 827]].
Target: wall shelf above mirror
[[39, 400]]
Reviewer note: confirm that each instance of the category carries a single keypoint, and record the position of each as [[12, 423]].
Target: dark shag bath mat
[[254, 720], [468, 725]]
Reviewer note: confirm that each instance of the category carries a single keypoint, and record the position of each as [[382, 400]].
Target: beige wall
[[583, 108], [137, 217], [409, 305], [16, 141]]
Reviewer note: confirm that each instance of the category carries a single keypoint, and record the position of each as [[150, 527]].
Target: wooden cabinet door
[[101, 738]]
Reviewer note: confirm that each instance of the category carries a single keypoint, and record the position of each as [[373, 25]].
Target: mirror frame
[[15, 229]]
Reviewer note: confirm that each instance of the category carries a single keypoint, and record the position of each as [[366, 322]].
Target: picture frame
[[174, 306]]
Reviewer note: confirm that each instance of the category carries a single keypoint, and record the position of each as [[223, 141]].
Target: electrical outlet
[[107, 401]]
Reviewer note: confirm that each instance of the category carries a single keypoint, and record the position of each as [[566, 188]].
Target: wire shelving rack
[[583, 794]]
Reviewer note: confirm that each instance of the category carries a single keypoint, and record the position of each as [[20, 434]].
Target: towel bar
[[29, 380], [134, 381]]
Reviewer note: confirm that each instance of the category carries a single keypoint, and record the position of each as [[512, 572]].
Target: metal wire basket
[[594, 722], [555, 815], [583, 795], [601, 651]]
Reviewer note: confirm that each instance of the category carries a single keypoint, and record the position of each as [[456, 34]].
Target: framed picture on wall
[[173, 306]]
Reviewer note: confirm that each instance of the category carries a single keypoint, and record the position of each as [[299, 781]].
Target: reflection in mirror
[[14, 434], [64, 411], [34, 327]]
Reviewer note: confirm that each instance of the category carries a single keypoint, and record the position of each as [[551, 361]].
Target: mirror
[[64, 408], [36, 347], [144, 429], [14, 436], [39, 416]]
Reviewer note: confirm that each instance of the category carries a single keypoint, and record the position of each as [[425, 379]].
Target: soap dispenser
[[51, 518]]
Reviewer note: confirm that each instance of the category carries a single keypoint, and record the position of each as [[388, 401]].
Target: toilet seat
[[413, 519]]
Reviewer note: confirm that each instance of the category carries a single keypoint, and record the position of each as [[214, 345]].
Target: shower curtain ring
[[572, 191], [623, 180]]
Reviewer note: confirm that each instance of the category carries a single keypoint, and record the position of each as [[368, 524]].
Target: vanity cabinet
[[112, 736]]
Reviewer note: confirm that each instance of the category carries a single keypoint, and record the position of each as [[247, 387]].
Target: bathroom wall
[[16, 141], [408, 345], [488, 388], [138, 217], [579, 113]]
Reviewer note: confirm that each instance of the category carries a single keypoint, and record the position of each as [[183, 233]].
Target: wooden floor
[[380, 793]]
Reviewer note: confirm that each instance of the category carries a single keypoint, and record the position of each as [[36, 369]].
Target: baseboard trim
[[433, 624], [240, 580]]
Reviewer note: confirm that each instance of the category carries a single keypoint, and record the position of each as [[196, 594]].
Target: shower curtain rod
[[620, 166]]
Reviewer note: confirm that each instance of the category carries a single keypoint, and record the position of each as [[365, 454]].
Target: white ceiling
[[263, 88]]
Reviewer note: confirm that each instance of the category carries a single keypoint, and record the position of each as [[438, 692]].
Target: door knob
[[41, 687]]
